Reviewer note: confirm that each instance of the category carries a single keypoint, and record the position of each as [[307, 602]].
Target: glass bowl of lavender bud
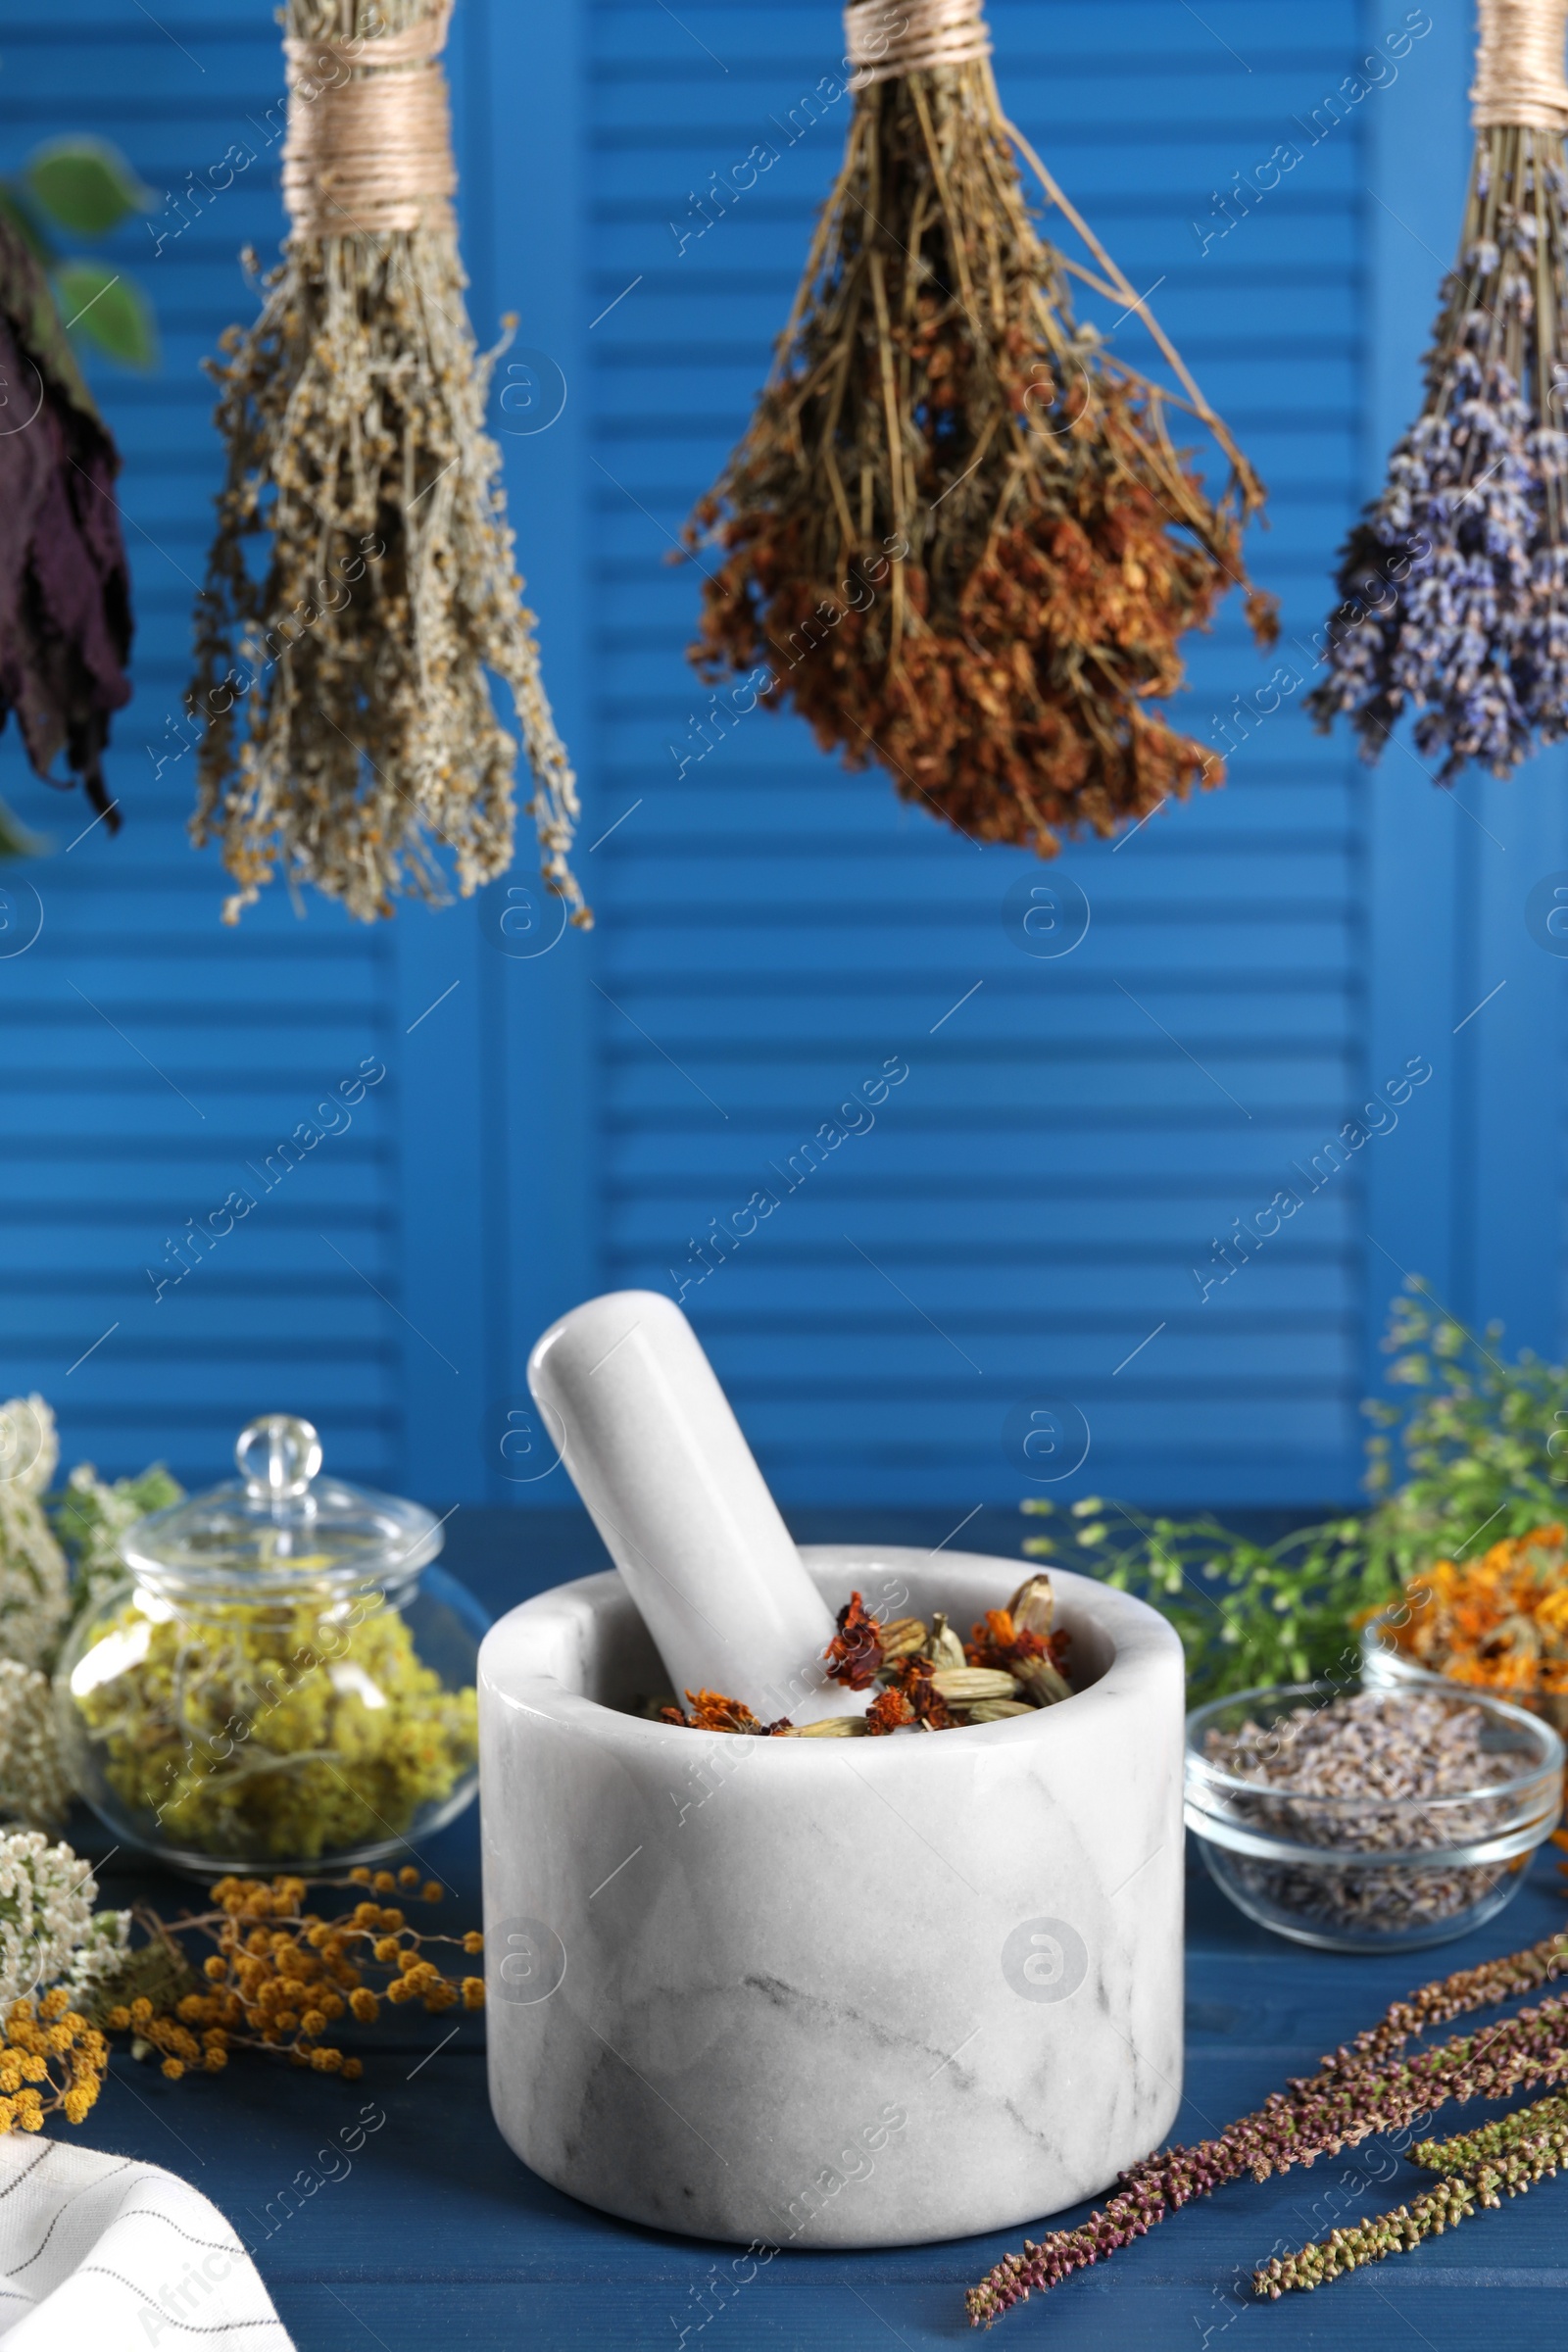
[[1368, 1818]]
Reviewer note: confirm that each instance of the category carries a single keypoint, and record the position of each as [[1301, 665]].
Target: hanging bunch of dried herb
[[64, 591], [958, 535], [348, 721], [1453, 585]]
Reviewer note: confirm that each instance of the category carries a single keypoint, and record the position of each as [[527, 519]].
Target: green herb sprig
[[1484, 1445], [85, 187]]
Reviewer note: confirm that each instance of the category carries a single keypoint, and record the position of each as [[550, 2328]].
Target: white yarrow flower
[[100, 1959], [35, 1581], [46, 1898], [34, 1788]]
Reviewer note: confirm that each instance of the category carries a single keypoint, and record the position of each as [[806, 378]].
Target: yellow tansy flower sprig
[[51, 2059], [278, 1977]]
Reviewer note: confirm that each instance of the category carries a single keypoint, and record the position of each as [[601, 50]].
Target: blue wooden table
[[432, 2235]]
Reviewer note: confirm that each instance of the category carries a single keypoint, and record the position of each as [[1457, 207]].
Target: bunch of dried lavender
[[347, 719], [1357, 2090], [64, 590], [958, 534], [1453, 585]]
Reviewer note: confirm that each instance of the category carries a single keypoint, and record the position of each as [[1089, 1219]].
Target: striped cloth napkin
[[103, 2254]]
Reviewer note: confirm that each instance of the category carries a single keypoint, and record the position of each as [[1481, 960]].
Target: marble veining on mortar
[[832, 1992]]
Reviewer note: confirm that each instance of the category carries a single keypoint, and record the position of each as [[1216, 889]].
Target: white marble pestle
[[657, 1457]]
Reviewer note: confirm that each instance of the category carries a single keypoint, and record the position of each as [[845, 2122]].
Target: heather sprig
[[1453, 585], [1509, 2131], [1360, 2088], [1479, 2168], [1397, 2232]]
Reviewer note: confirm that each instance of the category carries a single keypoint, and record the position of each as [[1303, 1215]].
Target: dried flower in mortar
[[712, 1711], [1367, 2086], [854, 1653], [64, 588], [890, 1711], [913, 1679], [348, 721], [926, 1682], [1498, 1623], [1020, 1642], [1453, 585], [280, 1978], [958, 534]]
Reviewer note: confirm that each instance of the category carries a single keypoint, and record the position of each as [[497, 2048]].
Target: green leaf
[[86, 186], [108, 309], [15, 839]]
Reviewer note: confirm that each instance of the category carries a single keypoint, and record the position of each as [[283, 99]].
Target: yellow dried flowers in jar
[[281, 1679]]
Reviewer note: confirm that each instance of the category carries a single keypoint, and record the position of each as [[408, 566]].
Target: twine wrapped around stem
[[1454, 585], [958, 534], [349, 729]]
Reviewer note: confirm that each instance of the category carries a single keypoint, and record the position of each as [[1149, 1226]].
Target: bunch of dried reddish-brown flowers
[[958, 534]]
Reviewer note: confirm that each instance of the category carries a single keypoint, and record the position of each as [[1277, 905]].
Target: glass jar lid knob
[[277, 1458]]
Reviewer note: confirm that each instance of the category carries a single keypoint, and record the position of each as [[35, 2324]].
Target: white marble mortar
[[838, 1992]]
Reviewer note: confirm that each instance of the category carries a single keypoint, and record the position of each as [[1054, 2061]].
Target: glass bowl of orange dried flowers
[[1497, 1624]]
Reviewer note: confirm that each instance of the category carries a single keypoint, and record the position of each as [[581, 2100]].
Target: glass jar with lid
[[281, 1681]]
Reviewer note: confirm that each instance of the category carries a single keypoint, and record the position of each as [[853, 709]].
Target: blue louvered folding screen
[[989, 1175]]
